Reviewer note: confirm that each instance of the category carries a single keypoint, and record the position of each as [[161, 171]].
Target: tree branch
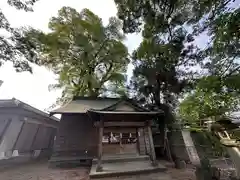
[[105, 77], [229, 65], [236, 69], [170, 32], [101, 47]]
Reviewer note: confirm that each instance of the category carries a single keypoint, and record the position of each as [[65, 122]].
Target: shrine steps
[[125, 167], [122, 158], [69, 162]]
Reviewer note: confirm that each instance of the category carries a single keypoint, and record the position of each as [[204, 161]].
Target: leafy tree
[[165, 59], [160, 20], [160, 15], [158, 64], [89, 58], [220, 88], [213, 97], [9, 50]]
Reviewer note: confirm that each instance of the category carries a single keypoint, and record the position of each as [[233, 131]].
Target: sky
[[33, 88]]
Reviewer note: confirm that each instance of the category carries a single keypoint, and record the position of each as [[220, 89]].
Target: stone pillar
[[152, 149], [100, 148]]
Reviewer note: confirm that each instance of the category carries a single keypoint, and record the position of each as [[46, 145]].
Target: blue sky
[[33, 88]]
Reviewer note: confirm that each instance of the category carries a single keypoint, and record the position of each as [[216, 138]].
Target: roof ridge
[[130, 102], [93, 98], [21, 104]]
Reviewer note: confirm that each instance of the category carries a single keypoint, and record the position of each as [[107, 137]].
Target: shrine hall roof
[[85, 104]]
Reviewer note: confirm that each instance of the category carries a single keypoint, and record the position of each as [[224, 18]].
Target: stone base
[[154, 163], [122, 158], [99, 169], [123, 168], [69, 162]]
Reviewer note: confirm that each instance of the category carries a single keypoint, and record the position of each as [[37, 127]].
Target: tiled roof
[[83, 105], [11, 103]]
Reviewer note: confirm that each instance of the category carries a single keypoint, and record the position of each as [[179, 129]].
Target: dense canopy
[[89, 57]]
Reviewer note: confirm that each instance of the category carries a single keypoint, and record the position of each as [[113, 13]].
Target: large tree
[[161, 21], [89, 57], [9, 50], [163, 60], [214, 96]]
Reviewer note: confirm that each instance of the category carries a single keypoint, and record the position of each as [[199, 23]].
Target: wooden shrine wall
[[19, 134], [76, 136]]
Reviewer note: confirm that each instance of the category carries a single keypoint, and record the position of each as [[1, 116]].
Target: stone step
[[69, 162], [121, 158], [126, 169]]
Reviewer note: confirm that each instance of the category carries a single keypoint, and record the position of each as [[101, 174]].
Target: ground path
[[40, 171]]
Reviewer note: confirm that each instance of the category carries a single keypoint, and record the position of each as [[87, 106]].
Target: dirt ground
[[40, 171]]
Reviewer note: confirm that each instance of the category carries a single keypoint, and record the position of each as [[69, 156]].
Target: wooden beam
[[124, 124], [35, 136], [119, 130], [100, 147], [137, 144], [152, 149], [14, 146], [29, 120], [51, 141], [5, 129]]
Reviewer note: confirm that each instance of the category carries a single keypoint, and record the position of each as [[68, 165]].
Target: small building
[[25, 131], [96, 128]]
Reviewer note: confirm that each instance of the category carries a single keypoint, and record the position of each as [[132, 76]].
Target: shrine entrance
[[118, 141], [118, 134]]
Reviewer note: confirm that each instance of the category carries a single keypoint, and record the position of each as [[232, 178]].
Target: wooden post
[[144, 139], [120, 143], [14, 146], [137, 142], [152, 149], [5, 129], [100, 148], [33, 141]]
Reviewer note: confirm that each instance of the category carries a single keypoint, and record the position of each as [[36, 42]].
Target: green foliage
[[89, 58], [167, 51], [157, 15], [9, 50], [164, 59], [208, 145], [159, 61], [214, 97]]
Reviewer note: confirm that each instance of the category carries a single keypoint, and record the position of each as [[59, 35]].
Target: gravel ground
[[172, 174], [40, 171], [182, 174]]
